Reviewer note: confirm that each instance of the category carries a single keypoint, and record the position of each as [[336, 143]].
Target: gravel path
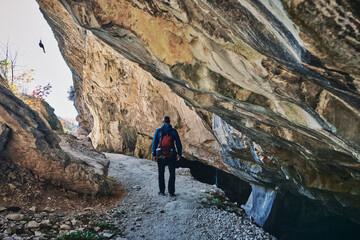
[[199, 211], [150, 216]]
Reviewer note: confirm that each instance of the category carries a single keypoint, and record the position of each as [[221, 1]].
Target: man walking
[[163, 151]]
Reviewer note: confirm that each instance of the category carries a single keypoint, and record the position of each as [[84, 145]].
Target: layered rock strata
[[267, 90], [26, 140], [48, 114]]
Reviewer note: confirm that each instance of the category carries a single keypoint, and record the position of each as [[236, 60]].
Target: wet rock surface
[[199, 211]]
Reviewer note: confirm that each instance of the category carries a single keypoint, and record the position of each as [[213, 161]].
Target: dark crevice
[[299, 218], [235, 189], [292, 217]]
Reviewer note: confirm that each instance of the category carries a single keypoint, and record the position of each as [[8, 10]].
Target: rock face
[[34, 146], [266, 90], [82, 151], [4, 133], [45, 111], [48, 113]]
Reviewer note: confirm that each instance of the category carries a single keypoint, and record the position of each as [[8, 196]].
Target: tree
[[8, 63], [18, 81], [40, 93], [71, 94]]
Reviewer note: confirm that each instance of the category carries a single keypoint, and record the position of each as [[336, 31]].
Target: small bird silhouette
[[42, 46]]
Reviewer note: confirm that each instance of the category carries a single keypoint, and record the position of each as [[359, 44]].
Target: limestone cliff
[[267, 90]]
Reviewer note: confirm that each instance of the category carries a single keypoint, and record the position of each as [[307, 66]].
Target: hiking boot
[[161, 193], [172, 195]]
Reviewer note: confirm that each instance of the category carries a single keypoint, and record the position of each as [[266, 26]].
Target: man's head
[[166, 120]]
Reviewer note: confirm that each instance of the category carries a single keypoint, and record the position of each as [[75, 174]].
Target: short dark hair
[[166, 119]]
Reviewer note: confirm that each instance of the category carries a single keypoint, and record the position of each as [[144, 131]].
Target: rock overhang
[[245, 63]]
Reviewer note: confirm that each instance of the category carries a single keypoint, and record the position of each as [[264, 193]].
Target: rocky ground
[[135, 211]]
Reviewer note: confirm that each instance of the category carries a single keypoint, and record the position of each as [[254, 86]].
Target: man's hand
[[155, 158], [178, 157]]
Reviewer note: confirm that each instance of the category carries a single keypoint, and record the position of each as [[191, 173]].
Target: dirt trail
[[150, 216]]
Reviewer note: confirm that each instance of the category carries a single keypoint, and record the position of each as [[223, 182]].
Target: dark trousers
[[161, 169]]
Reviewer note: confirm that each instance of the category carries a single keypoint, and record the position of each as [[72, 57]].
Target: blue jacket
[[175, 134]]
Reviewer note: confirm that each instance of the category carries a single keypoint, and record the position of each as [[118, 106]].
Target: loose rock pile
[[52, 224], [32, 208], [18, 184]]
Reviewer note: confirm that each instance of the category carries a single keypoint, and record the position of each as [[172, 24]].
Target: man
[[163, 151]]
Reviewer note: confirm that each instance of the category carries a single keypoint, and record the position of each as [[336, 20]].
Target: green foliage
[[119, 213], [83, 218], [79, 236], [213, 202], [4, 67], [219, 203], [54, 220], [108, 226], [110, 178]]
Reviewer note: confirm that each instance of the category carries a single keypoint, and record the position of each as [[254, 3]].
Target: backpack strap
[[160, 138]]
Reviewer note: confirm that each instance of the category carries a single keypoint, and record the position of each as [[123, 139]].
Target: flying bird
[[42, 46]]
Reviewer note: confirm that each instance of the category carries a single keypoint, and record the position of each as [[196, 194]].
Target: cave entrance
[[299, 218], [292, 216], [235, 189]]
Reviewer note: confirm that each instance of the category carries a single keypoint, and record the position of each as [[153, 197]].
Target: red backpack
[[166, 144]]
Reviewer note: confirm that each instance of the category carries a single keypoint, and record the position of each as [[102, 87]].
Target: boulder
[[36, 147], [83, 152]]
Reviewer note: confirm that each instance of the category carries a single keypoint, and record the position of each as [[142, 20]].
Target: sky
[[23, 25]]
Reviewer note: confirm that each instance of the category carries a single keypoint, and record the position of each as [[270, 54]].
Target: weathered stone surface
[[269, 92], [332, 31], [83, 129], [33, 224], [82, 151], [34, 146], [15, 217], [48, 113], [4, 133]]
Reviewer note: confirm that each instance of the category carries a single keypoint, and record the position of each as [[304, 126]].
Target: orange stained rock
[[164, 38]]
